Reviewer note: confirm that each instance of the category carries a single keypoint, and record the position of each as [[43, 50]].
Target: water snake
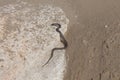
[[62, 39]]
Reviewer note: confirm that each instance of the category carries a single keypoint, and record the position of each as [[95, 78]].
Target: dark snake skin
[[62, 39]]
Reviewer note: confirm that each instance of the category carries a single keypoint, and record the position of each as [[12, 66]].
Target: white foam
[[26, 41]]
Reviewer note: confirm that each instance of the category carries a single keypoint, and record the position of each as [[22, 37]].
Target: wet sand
[[93, 37]]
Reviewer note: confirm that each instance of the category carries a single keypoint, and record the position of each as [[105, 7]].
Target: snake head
[[56, 24]]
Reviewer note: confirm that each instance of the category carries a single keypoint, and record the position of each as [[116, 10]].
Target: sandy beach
[[93, 37]]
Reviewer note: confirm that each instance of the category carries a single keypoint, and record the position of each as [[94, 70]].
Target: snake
[[62, 40]]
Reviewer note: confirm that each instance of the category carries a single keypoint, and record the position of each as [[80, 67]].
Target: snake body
[[62, 39]]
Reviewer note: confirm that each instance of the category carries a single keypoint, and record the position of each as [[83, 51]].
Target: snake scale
[[62, 39]]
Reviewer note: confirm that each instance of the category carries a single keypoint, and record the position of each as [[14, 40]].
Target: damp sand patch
[[26, 41]]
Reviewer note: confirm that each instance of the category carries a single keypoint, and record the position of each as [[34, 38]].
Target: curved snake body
[[62, 39]]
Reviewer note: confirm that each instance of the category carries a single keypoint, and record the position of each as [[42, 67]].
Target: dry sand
[[26, 41], [93, 37]]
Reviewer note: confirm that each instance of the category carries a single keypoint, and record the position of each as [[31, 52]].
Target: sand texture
[[93, 36]]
